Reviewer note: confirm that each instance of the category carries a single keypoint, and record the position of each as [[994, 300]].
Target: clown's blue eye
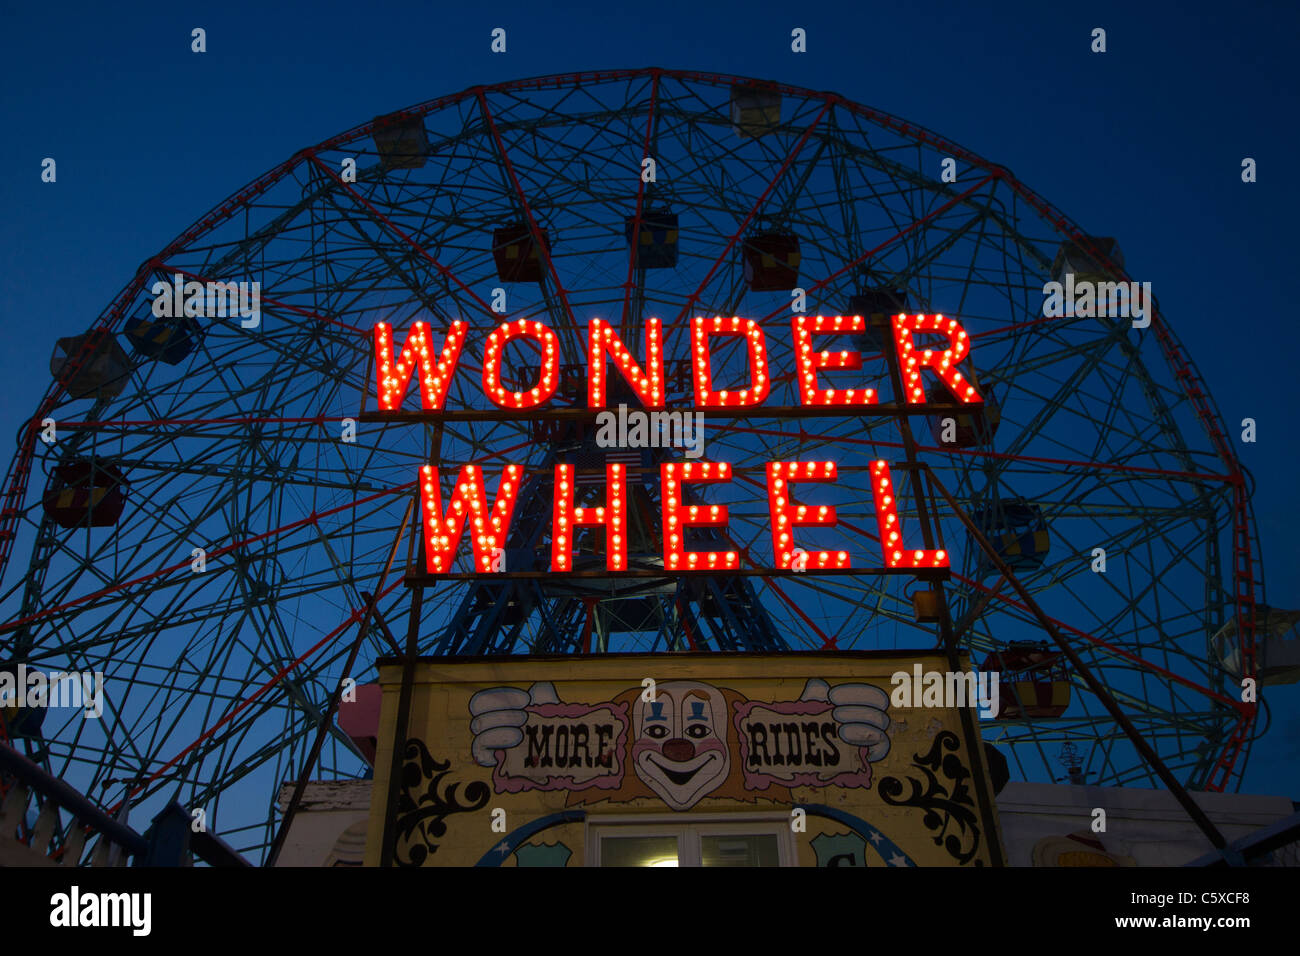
[[656, 731], [697, 731]]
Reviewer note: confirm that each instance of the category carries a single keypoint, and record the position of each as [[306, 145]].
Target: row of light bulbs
[[394, 375], [443, 529]]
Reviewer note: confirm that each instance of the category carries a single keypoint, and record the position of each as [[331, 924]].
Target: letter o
[[494, 351]]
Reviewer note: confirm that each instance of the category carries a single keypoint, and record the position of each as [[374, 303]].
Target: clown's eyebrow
[[657, 711], [697, 710]]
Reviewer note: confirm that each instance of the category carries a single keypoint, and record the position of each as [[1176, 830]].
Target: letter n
[[648, 385]]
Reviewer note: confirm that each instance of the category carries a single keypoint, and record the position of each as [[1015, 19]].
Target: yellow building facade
[[677, 760]]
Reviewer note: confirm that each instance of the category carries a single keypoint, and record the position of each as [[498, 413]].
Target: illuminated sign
[[510, 761], [434, 364]]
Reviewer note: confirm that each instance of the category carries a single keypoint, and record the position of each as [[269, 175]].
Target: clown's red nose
[[679, 750]]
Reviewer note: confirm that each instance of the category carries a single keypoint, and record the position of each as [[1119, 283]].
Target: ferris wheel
[[220, 527]]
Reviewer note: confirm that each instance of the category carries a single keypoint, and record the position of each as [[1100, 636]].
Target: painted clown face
[[680, 750]]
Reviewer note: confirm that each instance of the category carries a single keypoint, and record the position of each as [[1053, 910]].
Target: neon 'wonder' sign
[[444, 526]]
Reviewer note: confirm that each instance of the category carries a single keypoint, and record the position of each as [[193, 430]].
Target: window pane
[[638, 851], [756, 849]]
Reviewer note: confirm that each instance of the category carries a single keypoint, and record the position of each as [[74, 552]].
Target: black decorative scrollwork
[[422, 807], [942, 805]]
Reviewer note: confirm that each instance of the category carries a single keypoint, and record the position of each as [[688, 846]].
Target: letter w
[[434, 379], [443, 530]]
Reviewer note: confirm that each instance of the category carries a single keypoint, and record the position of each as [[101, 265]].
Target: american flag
[[593, 464]]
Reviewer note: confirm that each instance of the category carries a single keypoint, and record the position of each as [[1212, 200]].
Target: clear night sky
[[1143, 142]]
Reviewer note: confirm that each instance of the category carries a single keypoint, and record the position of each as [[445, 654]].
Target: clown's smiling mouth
[[679, 778]]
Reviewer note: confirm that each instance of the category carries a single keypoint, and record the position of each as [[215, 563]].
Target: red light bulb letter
[[891, 529], [701, 330], [679, 516], [566, 517], [434, 379], [810, 361], [648, 385], [493, 351], [442, 531], [786, 515], [944, 362]]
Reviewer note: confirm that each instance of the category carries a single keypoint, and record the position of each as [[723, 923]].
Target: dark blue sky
[[1144, 142]]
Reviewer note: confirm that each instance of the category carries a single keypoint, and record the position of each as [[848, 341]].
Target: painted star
[[897, 860], [876, 837], [504, 848]]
